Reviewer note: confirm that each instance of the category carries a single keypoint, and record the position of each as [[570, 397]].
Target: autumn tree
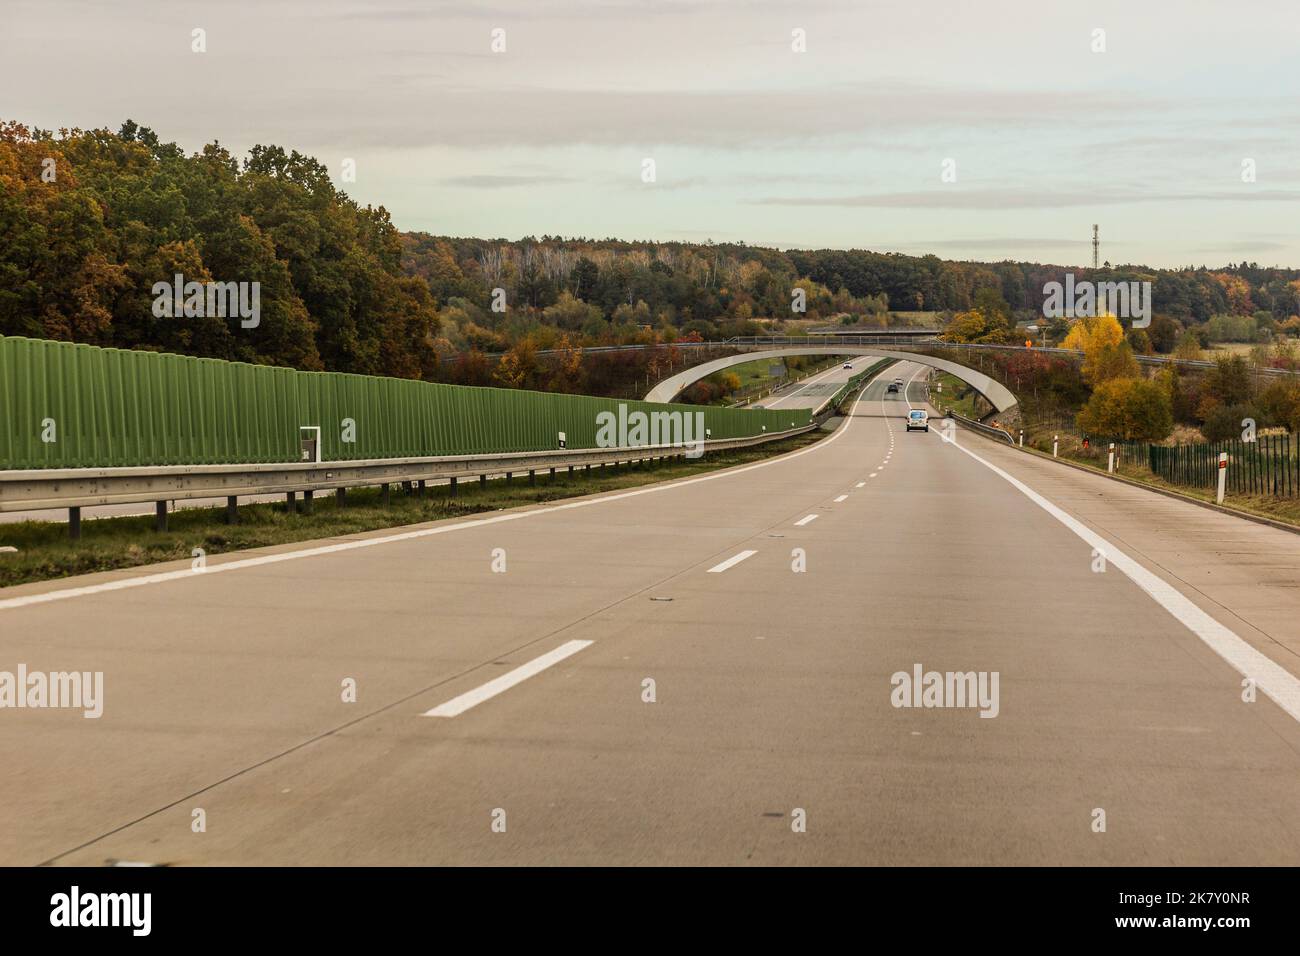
[[1131, 409]]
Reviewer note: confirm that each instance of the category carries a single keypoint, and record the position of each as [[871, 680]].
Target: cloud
[[957, 198], [1000, 243], [488, 181], [480, 117]]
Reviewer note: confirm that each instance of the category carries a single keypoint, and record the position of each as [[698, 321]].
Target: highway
[[813, 391], [695, 672]]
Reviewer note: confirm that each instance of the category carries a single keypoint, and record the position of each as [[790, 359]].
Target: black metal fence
[[1266, 466]]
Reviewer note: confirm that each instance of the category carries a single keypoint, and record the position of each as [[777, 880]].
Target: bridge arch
[[997, 393]]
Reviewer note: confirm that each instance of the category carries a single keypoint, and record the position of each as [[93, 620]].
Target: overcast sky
[[843, 145]]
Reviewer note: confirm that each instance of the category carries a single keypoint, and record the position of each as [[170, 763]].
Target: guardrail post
[[306, 501], [291, 501], [419, 488], [160, 516], [340, 497], [232, 509], [532, 478], [552, 474], [74, 523], [482, 481], [570, 471], [385, 494], [452, 485], [509, 475]]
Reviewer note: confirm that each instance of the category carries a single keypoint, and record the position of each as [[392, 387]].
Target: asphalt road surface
[[504, 667], [813, 391]]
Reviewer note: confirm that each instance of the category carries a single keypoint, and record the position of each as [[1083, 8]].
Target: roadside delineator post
[[1022, 438], [1110, 459], [1223, 475], [1055, 443]]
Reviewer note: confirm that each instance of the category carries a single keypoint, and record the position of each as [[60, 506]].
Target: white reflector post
[[1223, 474]]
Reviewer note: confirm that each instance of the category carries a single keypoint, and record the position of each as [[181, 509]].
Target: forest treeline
[[91, 220]]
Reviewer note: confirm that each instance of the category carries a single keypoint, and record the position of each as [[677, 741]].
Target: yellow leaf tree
[[1106, 353]]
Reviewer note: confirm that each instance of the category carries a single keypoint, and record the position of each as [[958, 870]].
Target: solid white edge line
[[1274, 680], [731, 562], [162, 577], [499, 685]]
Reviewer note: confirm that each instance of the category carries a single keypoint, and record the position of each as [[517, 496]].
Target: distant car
[[898, 381], [918, 418], [848, 365], [893, 387]]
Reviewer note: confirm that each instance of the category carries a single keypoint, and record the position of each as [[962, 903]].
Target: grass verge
[[45, 553], [963, 399], [1286, 510]]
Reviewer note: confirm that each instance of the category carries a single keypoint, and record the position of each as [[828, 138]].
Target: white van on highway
[[918, 418]]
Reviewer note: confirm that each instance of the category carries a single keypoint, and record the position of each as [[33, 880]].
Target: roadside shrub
[[1131, 409], [1224, 422]]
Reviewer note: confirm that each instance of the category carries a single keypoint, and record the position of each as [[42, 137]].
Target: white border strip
[[731, 562], [458, 705], [240, 564], [1273, 679]]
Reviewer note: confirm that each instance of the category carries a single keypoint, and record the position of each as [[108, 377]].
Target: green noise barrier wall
[[114, 407]]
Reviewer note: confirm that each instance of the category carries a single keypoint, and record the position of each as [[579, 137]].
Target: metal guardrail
[[1077, 353], [75, 488], [854, 382], [913, 341], [825, 340], [987, 430]]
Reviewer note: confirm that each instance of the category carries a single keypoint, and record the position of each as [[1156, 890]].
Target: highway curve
[[772, 737]]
